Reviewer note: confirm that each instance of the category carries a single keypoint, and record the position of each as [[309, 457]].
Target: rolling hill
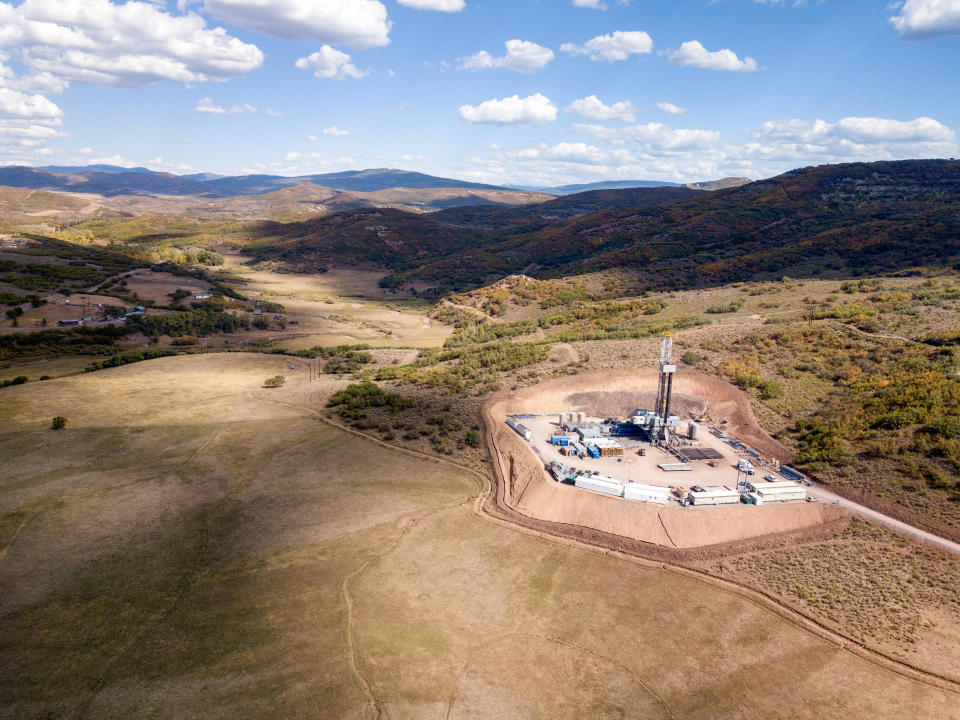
[[832, 220]]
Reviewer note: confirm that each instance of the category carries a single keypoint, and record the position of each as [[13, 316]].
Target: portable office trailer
[[600, 484], [646, 493], [715, 497], [675, 467], [562, 440], [781, 494], [593, 451]]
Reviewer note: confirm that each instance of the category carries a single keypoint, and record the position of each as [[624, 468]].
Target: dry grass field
[[340, 307], [194, 545]]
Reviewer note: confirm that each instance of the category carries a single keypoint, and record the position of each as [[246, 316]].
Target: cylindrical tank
[[693, 430], [581, 417]]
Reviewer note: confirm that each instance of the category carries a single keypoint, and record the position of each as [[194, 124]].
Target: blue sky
[[681, 90]]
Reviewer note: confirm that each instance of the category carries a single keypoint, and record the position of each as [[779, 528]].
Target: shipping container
[[562, 440]]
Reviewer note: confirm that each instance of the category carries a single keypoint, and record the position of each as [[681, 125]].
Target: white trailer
[[675, 467], [791, 493], [715, 497], [638, 492], [600, 484], [521, 430], [767, 485]]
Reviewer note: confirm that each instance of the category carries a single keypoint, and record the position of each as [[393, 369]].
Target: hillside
[[402, 241], [833, 220]]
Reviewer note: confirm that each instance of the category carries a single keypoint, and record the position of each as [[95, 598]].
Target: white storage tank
[[693, 430], [638, 492], [581, 417]]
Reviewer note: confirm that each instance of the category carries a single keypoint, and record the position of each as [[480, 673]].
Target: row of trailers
[[609, 485]]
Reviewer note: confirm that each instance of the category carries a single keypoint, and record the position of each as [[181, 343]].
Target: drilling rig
[[665, 389]]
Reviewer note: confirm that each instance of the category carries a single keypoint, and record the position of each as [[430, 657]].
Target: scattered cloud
[[522, 56], [206, 105], [593, 4], [440, 5], [334, 130], [330, 64], [610, 48], [592, 108], [922, 19], [653, 136], [693, 54], [355, 23], [273, 113], [671, 109], [524, 112]]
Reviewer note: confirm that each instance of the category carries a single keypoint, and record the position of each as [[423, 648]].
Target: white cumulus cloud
[[608, 48], [693, 54], [357, 23], [441, 5], [859, 138], [525, 112], [330, 64], [671, 109], [16, 104], [593, 4], [921, 19], [592, 108], [522, 56], [334, 130], [134, 44]]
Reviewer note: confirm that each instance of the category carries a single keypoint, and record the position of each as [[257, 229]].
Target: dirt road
[[896, 525]]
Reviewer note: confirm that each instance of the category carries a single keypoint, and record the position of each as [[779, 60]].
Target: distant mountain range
[[828, 221], [109, 181], [630, 184], [112, 180]]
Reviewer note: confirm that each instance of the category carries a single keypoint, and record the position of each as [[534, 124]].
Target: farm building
[[717, 496], [646, 493], [600, 483]]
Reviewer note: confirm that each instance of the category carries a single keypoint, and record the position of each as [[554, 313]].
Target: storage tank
[[581, 417], [693, 430]]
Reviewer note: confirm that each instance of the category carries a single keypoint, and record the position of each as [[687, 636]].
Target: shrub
[[692, 358], [58, 423], [473, 437], [18, 380], [274, 382], [771, 389]]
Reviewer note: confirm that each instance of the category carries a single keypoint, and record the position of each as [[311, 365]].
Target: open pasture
[[194, 545]]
